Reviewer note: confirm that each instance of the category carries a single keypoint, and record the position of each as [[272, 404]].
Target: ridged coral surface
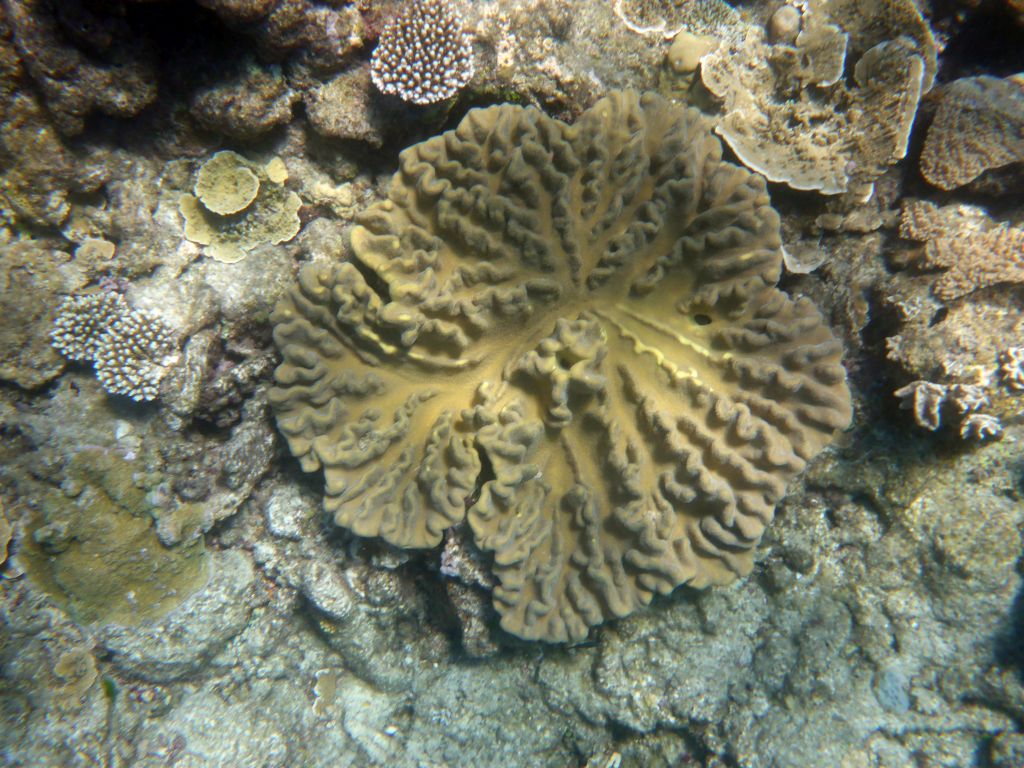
[[571, 337]]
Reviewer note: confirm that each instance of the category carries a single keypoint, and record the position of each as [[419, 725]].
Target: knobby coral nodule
[[577, 326]]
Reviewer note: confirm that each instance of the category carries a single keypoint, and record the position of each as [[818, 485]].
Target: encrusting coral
[[239, 205], [425, 54], [130, 349], [571, 336]]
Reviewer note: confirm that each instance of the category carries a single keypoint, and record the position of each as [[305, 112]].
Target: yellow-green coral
[[239, 205], [225, 184], [571, 337], [95, 547]]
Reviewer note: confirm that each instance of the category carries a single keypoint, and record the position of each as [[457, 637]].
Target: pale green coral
[[238, 206], [225, 184], [95, 547]]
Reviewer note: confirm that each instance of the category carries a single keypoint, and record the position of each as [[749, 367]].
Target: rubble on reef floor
[[171, 591]]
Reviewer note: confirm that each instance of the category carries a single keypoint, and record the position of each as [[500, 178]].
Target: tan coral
[[6, 535], [578, 327], [981, 426], [789, 113], [225, 185], [925, 399], [668, 18], [975, 251], [238, 207], [979, 126], [1011, 369]]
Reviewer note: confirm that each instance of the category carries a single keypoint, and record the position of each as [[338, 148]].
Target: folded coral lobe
[[574, 330]]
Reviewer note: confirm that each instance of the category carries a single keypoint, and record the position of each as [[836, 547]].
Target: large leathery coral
[[571, 336]]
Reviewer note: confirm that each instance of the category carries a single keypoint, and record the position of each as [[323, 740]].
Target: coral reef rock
[[589, 312], [82, 60], [32, 280]]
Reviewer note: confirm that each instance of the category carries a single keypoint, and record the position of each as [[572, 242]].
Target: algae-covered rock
[[247, 104], [181, 642], [32, 279], [76, 669], [237, 206], [95, 547]]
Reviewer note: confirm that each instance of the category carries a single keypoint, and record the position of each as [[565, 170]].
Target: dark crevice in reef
[[989, 42]]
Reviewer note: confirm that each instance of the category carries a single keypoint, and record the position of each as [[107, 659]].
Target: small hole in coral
[[702, 319]]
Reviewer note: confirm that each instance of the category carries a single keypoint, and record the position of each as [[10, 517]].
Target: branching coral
[[975, 251], [425, 54], [574, 331], [131, 349]]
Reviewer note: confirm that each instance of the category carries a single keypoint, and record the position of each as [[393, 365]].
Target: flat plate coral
[[570, 336]]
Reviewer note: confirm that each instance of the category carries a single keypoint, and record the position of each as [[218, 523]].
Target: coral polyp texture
[[425, 53], [979, 126], [976, 252], [131, 349], [571, 337]]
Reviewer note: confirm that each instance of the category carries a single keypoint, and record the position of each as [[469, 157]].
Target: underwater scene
[[512, 383]]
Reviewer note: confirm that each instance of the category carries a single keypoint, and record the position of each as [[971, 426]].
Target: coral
[[975, 251], [667, 18], [925, 399], [6, 535], [981, 426], [685, 53], [130, 348], [238, 207], [81, 61], [224, 184], [968, 398], [425, 53], [928, 400], [590, 313], [979, 125], [76, 669], [789, 113], [784, 25], [95, 548], [1011, 368]]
